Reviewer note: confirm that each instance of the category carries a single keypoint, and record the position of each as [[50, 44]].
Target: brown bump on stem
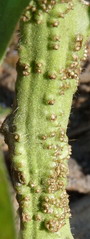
[[51, 102], [49, 146], [37, 190], [46, 208], [56, 38], [38, 217], [61, 92], [52, 134], [32, 185], [19, 176], [33, 9], [25, 18], [44, 137], [38, 70], [52, 76], [64, 77], [44, 7], [55, 24], [26, 73], [49, 7], [79, 40], [39, 67], [53, 117], [46, 199], [70, 6], [53, 2], [27, 198], [53, 225], [75, 57], [38, 21], [44, 1], [25, 217], [61, 15], [17, 137], [85, 54], [56, 46]]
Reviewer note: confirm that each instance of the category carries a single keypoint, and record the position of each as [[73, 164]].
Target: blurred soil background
[[79, 137]]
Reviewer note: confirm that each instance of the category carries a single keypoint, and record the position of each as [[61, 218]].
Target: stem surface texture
[[51, 49]]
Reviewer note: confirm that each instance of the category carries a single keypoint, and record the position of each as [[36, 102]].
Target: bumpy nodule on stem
[[52, 50]]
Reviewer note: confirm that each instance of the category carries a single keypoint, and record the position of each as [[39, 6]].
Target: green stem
[[52, 46]]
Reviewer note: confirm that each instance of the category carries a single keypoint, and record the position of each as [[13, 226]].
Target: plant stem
[[52, 44]]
